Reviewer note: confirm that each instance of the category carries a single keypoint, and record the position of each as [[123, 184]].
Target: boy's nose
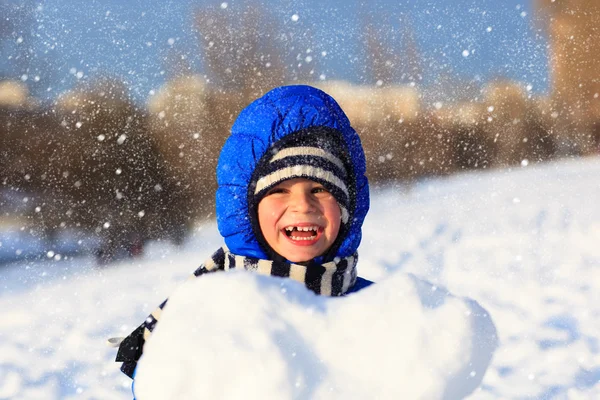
[[301, 202]]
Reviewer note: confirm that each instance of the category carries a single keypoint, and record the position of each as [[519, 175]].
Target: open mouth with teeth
[[303, 234]]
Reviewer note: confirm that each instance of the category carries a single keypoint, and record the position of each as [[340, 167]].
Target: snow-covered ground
[[522, 243], [247, 336]]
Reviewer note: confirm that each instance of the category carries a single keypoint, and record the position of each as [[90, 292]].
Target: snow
[[523, 243], [254, 337]]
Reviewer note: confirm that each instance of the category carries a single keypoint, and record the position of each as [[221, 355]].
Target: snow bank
[[239, 335]]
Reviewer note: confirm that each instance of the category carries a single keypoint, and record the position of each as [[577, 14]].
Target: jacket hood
[[279, 113]]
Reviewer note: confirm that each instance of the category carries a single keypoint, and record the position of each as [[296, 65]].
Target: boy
[[292, 196]]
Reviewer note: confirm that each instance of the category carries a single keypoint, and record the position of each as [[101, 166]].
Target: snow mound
[[240, 335]]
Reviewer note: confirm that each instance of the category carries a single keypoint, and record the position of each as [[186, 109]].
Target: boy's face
[[299, 219]]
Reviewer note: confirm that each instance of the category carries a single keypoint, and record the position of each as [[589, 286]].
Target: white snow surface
[[522, 243], [255, 337]]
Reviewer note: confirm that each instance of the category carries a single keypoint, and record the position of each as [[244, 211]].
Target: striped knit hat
[[318, 154]]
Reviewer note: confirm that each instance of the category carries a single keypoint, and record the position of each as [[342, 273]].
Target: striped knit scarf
[[330, 279], [333, 278]]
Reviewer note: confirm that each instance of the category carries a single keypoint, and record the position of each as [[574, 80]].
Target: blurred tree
[[411, 68], [572, 28], [103, 172], [241, 51], [392, 54], [382, 59]]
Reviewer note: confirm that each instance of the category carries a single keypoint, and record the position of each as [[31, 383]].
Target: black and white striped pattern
[[330, 279]]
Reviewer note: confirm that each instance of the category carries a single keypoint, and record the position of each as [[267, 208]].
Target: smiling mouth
[[303, 233]]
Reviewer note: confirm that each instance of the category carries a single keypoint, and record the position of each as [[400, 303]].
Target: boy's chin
[[300, 256]]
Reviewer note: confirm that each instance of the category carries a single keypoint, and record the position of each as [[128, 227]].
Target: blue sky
[[473, 41]]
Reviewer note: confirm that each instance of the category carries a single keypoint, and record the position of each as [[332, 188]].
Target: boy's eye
[[275, 190], [319, 190]]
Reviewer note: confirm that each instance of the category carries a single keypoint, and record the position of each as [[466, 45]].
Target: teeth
[[303, 238], [302, 228]]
